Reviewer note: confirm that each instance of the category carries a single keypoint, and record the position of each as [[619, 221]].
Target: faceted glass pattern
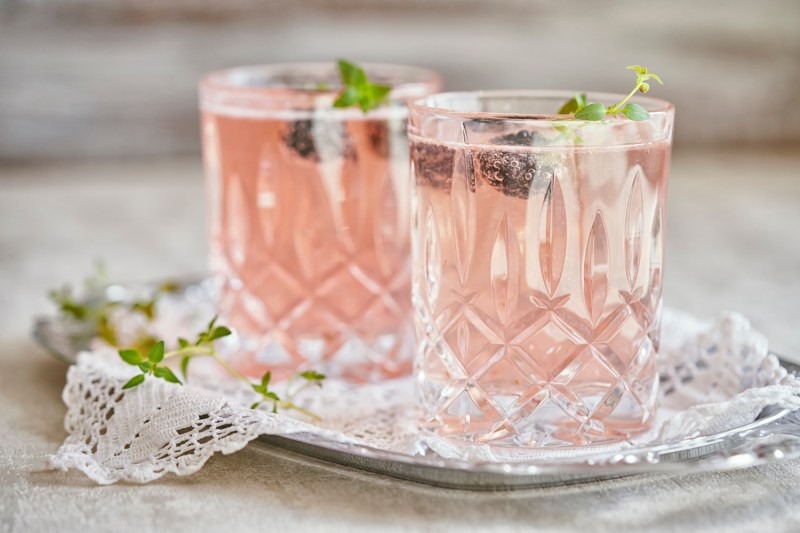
[[309, 210], [537, 276]]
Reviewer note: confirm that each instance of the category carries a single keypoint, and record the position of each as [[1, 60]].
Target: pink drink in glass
[[538, 248], [309, 213]]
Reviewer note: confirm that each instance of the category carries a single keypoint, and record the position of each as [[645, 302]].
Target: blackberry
[[300, 139], [433, 164], [379, 137], [318, 141], [515, 173], [521, 138]]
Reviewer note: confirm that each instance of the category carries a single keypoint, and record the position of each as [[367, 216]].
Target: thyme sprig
[[593, 111], [152, 365], [93, 309]]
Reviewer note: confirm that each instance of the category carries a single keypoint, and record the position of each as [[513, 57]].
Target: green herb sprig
[[593, 111], [305, 379], [152, 365], [358, 90], [150, 356], [93, 309], [76, 308]]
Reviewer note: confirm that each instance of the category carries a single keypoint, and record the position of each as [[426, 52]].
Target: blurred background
[[99, 79], [99, 143]]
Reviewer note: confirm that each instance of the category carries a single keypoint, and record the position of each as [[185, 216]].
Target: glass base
[[550, 423], [584, 404], [344, 356]]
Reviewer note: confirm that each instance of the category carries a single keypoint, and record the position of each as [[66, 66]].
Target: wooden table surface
[[733, 242]]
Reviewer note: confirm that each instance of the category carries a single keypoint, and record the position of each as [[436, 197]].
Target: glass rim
[[428, 104], [422, 79]]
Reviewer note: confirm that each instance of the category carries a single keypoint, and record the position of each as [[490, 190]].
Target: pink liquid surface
[[537, 290], [310, 244]]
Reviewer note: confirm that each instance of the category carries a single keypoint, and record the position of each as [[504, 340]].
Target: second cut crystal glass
[[309, 213], [537, 263]]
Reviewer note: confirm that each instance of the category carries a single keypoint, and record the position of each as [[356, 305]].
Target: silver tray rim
[[700, 454], [727, 450]]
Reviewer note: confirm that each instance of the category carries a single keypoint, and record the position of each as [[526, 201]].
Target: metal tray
[[774, 436]]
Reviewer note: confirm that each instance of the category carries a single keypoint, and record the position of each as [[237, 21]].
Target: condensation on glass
[[309, 219], [538, 247]]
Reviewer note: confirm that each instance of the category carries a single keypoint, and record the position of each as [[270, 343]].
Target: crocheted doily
[[713, 378]]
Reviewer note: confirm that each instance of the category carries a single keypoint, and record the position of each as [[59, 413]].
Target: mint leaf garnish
[[358, 90]]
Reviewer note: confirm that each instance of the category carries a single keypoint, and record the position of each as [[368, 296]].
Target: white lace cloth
[[714, 378]]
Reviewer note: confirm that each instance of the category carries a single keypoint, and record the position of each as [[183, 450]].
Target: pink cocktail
[[537, 249], [309, 219]]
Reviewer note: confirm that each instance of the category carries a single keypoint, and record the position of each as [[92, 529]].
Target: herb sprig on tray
[[152, 365], [594, 111], [94, 308], [149, 355]]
